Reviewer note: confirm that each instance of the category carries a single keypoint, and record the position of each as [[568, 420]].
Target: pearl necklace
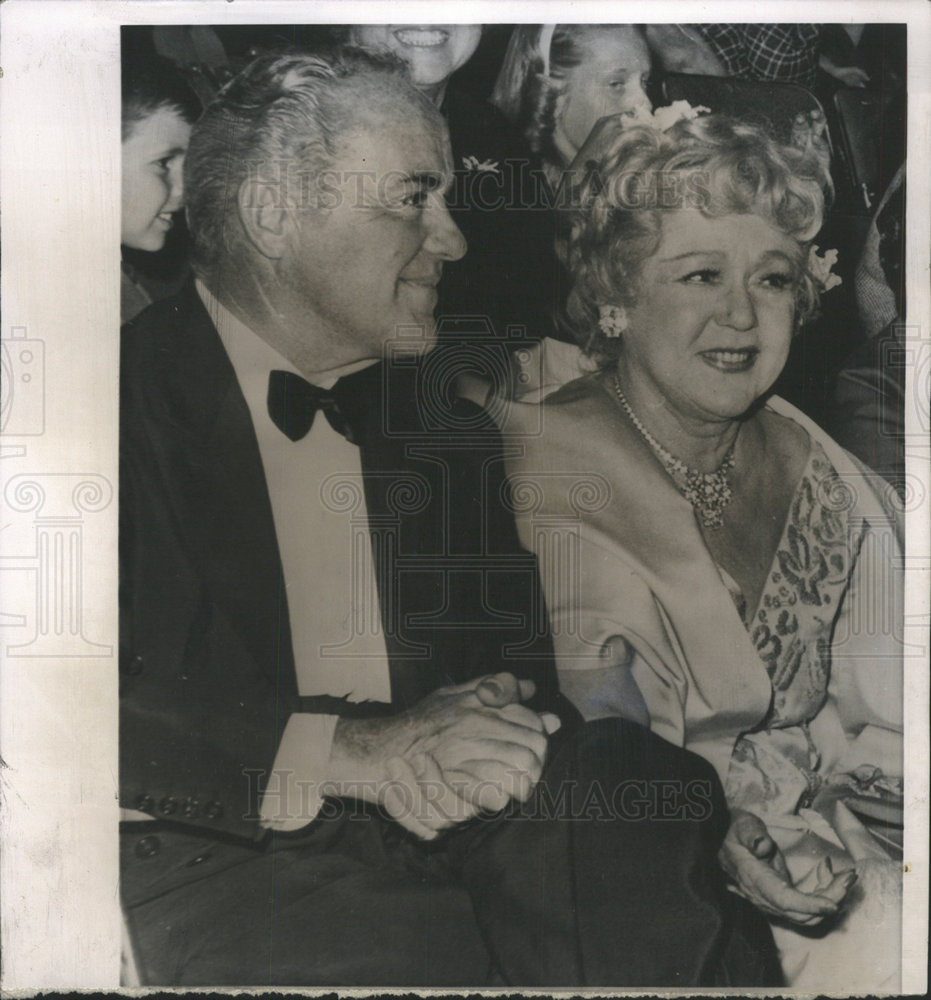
[[708, 492]]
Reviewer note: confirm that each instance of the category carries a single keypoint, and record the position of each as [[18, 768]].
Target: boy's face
[[153, 156]]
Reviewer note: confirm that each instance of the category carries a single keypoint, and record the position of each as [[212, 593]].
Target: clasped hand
[[759, 873], [460, 751]]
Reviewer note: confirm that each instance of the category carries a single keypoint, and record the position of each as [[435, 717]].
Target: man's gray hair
[[282, 116]]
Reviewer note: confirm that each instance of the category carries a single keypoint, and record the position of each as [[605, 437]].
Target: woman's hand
[[810, 134], [759, 873], [600, 139]]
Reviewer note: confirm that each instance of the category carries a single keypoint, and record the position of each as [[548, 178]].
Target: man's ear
[[264, 216]]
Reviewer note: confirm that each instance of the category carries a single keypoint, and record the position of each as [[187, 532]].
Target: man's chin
[[417, 336]]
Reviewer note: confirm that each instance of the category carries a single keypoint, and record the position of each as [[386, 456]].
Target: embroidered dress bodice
[[775, 769]]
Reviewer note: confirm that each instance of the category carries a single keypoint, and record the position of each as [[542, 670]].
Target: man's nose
[[736, 309], [444, 238]]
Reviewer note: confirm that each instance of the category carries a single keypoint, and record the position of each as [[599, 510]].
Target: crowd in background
[[526, 104], [627, 246]]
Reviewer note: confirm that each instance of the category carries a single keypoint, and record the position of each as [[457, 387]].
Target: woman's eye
[[706, 276], [164, 163], [778, 280]]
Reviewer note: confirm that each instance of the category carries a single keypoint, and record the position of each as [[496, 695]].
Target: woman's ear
[[264, 216]]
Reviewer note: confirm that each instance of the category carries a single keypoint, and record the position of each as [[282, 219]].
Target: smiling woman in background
[[707, 551], [433, 52], [158, 109]]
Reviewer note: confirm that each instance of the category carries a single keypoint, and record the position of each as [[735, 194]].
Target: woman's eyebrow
[[770, 255], [691, 253]]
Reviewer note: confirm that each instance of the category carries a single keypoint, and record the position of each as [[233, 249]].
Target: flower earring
[[612, 320]]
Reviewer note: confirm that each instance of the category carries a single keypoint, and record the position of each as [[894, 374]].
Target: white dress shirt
[[318, 505]]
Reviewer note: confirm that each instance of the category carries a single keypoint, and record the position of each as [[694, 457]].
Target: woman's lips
[[165, 219], [421, 38], [730, 360]]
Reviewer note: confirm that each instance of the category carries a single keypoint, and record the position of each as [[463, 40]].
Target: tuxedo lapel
[[210, 457], [401, 528], [456, 590]]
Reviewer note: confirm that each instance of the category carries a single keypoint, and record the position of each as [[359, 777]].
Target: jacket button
[[190, 808], [213, 810], [145, 803], [167, 806], [148, 847]]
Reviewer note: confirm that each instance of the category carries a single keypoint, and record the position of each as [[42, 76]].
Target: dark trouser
[[607, 877]]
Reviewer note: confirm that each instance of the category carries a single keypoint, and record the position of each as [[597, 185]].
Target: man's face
[[365, 261]]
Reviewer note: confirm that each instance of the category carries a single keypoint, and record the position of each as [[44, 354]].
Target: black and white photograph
[[468, 530]]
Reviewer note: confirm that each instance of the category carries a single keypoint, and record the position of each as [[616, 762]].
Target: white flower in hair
[[820, 268], [664, 118]]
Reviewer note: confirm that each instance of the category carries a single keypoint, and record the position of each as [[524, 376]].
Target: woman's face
[[433, 51], [714, 318], [153, 156], [610, 80]]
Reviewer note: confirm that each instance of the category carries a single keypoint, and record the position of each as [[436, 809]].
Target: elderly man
[[337, 699]]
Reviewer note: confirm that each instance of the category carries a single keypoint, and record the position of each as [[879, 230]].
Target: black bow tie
[[293, 403]]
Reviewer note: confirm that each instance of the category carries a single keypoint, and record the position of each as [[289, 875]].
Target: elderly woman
[[708, 553]]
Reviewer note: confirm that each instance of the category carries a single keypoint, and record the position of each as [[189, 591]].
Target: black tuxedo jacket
[[207, 669]]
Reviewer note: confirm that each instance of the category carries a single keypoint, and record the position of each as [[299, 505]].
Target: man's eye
[[416, 200], [706, 276]]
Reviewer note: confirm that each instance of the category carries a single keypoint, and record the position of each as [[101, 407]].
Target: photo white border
[[59, 192]]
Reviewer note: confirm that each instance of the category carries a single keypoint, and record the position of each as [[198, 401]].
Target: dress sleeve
[[614, 651]]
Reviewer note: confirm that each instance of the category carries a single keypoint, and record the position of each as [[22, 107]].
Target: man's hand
[[759, 873], [459, 751], [849, 76]]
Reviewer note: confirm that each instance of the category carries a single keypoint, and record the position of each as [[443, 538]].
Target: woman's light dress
[[798, 702]]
